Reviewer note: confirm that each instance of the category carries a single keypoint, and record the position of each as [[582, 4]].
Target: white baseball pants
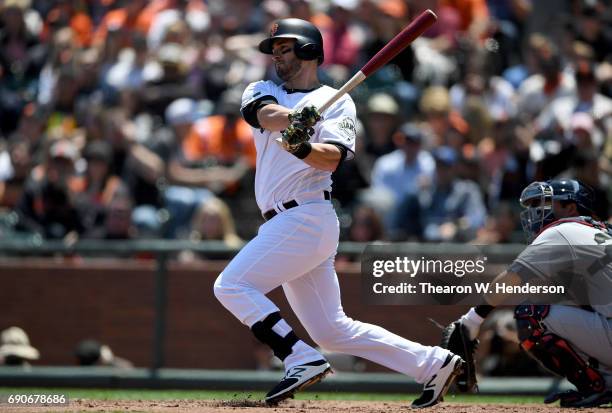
[[296, 249]]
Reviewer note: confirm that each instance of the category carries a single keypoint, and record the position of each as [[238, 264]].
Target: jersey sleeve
[[548, 257], [254, 97], [338, 126]]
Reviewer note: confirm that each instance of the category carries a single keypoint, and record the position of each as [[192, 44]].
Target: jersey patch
[[346, 127]]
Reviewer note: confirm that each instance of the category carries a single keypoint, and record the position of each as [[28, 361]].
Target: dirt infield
[[292, 406]]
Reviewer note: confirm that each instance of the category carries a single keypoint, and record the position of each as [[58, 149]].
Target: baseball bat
[[416, 28]]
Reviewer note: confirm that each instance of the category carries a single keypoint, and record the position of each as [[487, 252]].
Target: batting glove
[[307, 117]]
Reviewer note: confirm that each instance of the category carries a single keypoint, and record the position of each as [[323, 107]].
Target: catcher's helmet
[[308, 39], [537, 198]]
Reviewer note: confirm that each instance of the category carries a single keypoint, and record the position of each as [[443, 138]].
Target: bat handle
[[347, 87]]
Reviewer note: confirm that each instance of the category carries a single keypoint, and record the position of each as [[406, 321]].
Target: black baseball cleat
[[601, 399], [436, 387], [298, 378], [566, 398], [575, 399]]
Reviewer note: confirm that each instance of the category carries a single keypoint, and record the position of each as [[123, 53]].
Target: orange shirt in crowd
[[469, 10], [210, 137], [118, 18], [80, 23]]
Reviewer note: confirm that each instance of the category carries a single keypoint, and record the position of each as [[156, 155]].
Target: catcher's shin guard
[[554, 352]]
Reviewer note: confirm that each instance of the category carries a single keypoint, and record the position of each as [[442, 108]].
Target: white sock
[[472, 321], [301, 353]]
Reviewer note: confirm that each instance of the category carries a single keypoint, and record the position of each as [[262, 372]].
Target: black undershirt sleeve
[[343, 152], [249, 112]]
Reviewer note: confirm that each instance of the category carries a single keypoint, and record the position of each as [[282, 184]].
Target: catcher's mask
[[537, 200], [308, 39]]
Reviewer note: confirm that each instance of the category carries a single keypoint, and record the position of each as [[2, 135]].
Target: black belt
[[268, 215]]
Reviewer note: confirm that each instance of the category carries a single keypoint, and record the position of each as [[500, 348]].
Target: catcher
[[572, 342]]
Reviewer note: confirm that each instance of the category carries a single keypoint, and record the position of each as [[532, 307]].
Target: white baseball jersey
[[579, 250], [280, 176]]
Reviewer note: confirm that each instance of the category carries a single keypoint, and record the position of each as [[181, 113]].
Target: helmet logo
[[274, 29]]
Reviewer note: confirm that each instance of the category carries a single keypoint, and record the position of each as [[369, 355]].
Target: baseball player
[[297, 151], [574, 342]]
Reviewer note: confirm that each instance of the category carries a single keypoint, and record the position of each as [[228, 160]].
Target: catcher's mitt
[[455, 337]]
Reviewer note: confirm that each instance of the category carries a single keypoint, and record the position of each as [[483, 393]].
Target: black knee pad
[[554, 352], [281, 346]]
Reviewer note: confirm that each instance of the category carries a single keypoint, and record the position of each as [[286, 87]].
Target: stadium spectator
[[97, 187], [212, 220], [66, 13], [452, 210], [93, 353], [148, 167], [474, 14], [47, 204], [63, 49], [548, 83], [21, 58], [15, 348], [164, 23], [15, 165], [585, 99], [117, 220], [383, 20], [166, 79], [222, 144], [446, 125], [590, 28], [407, 170], [500, 227], [479, 83], [130, 17], [366, 225], [381, 120], [342, 40]]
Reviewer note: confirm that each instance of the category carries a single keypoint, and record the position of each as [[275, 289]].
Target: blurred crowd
[[120, 119], [16, 350]]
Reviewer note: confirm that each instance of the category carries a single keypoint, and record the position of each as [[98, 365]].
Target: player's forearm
[[273, 117], [507, 278], [147, 162], [324, 156]]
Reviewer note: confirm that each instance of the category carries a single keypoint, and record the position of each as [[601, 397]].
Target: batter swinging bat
[[416, 28]]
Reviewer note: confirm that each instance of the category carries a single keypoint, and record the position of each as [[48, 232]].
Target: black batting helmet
[[308, 39]]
